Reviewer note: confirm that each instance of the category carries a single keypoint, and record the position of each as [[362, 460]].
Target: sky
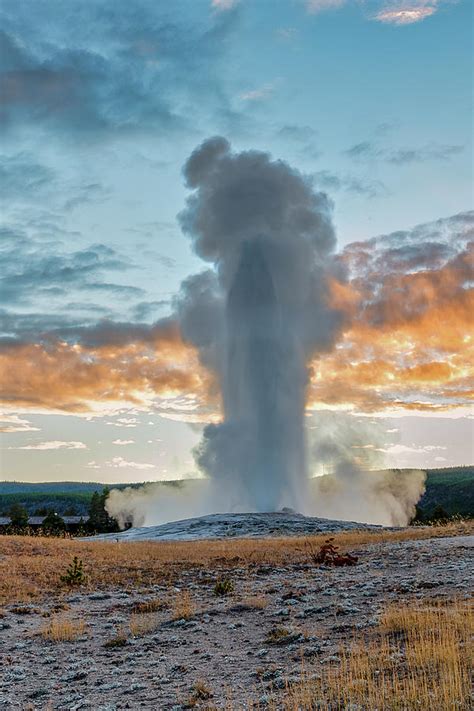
[[103, 102]]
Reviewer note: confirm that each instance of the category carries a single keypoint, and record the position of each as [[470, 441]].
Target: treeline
[[38, 504], [66, 498], [96, 521]]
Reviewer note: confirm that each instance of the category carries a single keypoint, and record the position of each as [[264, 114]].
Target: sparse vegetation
[[200, 692], [419, 658], [277, 635], [62, 629], [251, 602], [28, 566], [329, 554], [183, 607], [143, 623], [74, 575], [120, 640], [154, 605], [23, 610], [223, 587]]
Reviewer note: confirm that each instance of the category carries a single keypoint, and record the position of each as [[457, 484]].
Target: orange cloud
[[407, 343], [75, 378]]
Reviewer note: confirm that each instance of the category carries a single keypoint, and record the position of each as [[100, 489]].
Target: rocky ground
[[230, 647]]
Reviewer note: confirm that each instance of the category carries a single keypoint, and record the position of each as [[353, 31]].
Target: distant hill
[[65, 497], [451, 488]]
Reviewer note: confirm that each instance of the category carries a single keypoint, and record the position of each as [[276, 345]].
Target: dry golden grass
[[30, 568], [154, 605], [254, 602], [143, 623], [183, 606], [62, 629], [419, 658]]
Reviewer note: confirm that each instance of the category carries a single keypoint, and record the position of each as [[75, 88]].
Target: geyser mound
[[238, 525]]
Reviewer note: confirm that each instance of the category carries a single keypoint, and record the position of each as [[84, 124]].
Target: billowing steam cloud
[[257, 317], [355, 487]]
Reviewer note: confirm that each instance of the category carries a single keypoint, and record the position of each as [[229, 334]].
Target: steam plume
[[270, 238], [357, 488], [257, 317]]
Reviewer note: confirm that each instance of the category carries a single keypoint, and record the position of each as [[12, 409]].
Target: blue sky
[[103, 103]]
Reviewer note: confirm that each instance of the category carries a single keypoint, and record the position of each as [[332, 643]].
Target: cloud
[[404, 299], [121, 463], [286, 34], [328, 180], [13, 423], [123, 442], [300, 134], [63, 286], [100, 71], [425, 153], [396, 449], [408, 298], [260, 93], [395, 12], [405, 16], [101, 369], [316, 6], [21, 175], [368, 150], [53, 444], [223, 5]]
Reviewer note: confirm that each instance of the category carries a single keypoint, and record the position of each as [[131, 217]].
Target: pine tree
[[53, 523], [99, 519], [18, 516]]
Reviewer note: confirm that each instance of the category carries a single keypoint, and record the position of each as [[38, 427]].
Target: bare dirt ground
[[191, 648]]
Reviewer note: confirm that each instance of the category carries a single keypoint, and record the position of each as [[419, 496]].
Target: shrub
[[278, 635], [201, 692], [223, 587], [74, 575]]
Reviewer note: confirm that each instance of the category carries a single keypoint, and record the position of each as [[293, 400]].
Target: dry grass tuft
[[419, 658], [28, 566], [120, 640], [201, 692], [183, 607], [62, 629], [146, 606], [252, 602], [143, 623]]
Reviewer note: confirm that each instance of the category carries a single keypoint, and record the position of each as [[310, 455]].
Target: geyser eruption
[[257, 318], [270, 238], [261, 443]]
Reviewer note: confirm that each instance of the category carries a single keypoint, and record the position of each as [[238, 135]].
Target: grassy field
[[419, 657], [30, 568]]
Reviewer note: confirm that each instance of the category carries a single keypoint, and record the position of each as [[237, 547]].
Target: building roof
[[38, 520]]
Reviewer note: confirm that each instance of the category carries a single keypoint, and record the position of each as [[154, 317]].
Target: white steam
[[257, 317]]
